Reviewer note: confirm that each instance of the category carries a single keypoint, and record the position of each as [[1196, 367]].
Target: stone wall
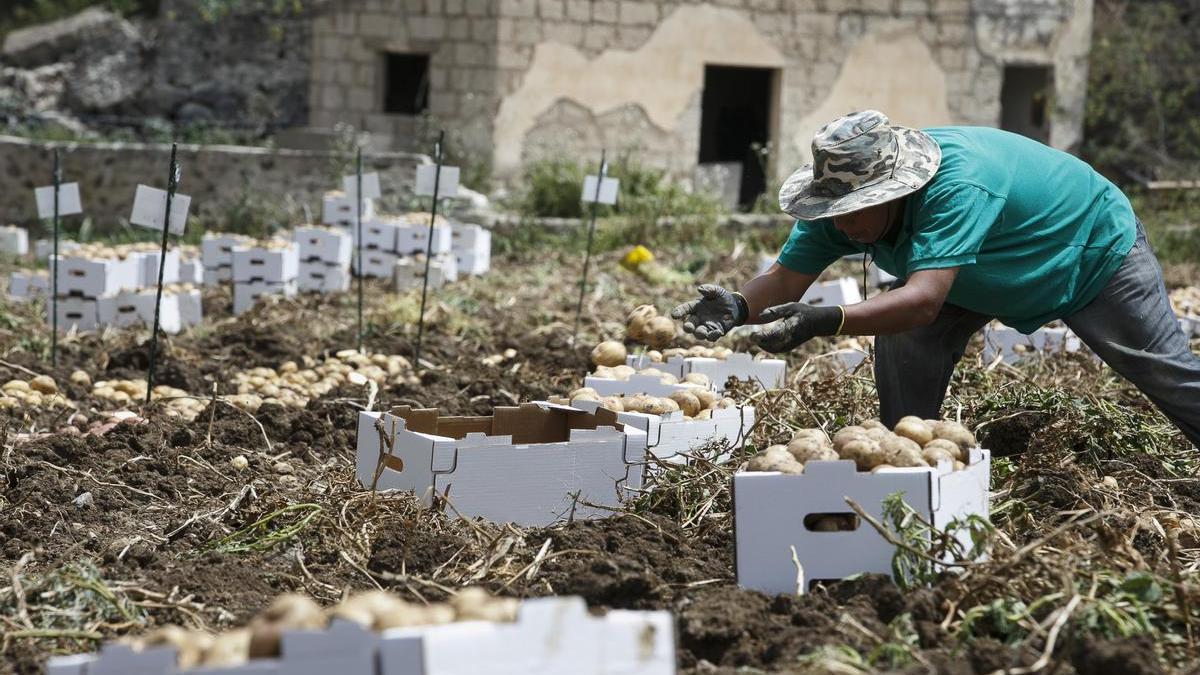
[[350, 39], [216, 177]]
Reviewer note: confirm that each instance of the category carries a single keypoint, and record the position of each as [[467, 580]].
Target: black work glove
[[795, 323], [717, 312]]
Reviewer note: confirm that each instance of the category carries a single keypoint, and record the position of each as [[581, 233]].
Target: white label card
[[370, 184], [69, 203], [608, 190], [149, 205], [447, 187]]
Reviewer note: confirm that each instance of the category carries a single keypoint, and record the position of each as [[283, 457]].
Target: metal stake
[[437, 183], [587, 260], [358, 221], [172, 186], [54, 266]]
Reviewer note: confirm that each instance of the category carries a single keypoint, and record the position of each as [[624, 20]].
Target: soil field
[[110, 528]]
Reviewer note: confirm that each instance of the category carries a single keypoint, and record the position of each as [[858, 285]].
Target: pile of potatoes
[[373, 610], [624, 372], [695, 402], [721, 353], [133, 392], [647, 327], [871, 446], [1186, 301], [291, 385], [36, 392]]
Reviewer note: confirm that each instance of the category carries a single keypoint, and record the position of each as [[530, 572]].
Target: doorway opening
[[1025, 101], [405, 83], [737, 114]]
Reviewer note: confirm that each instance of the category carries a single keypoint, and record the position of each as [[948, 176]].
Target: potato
[[705, 414], [699, 350], [766, 462], [81, 378], [872, 424], [914, 428], [365, 608], [817, 435], [585, 397], [948, 446], [697, 378], [15, 385], [721, 352], [959, 466], [289, 611], [777, 450], [847, 434], [865, 453], [707, 398], [878, 434], [228, 649], [189, 645], [806, 449], [673, 352], [725, 404], [403, 615], [687, 402], [605, 372], [609, 353], [898, 444], [657, 406], [476, 604], [623, 372], [933, 454], [660, 331], [654, 355], [955, 433], [880, 467], [637, 403], [643, 313], [613, 403]]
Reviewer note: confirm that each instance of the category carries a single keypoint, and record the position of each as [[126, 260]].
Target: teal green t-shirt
[[1035, 232]]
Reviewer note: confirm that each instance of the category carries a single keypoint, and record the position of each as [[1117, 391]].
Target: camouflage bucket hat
[[859, 160]]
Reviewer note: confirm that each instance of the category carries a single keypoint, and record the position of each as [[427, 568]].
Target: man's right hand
[[717, 312]]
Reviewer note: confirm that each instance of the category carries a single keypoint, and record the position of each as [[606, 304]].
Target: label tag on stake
[[69, 203], [447, 187], [149, 205], [370, 186], [608, 190]]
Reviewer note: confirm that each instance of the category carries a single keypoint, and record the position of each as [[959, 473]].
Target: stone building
[[687, 84]]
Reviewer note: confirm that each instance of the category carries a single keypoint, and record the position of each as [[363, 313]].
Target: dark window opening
[[735, 123], [405, 84], [1025, 101]]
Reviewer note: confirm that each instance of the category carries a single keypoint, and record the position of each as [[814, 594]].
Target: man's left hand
[[795, 323]]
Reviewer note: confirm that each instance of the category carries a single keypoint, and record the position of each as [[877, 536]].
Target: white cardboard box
[[842, 291], [769, 373], [28, 285], [876, 277], [377, 233], [246, 294], [770, 512], [671, 438], [338, 209], [75, 312], [1012, 345], [191, 308], [323, 277], [411, 239], [274, 265], [14, 240], [550, 636], [148, 262], [216, 250], [323, 244], [94, 278], [532, 465], [471, 238], [215, 276], [472, 264], [375, 263], [136, 308], [410, 271], [191, 271]]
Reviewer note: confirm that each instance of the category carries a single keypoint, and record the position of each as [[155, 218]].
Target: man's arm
[[914, 304], [776, 286]]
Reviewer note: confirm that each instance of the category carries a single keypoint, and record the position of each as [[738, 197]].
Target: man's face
[[865, 226]]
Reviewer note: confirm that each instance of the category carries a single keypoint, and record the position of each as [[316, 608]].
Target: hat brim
[[917, 160]]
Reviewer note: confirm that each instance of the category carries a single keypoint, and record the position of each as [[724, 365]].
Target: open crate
[[768, 373], [773, 515], [550, 636], [533, 464], [671, 438]]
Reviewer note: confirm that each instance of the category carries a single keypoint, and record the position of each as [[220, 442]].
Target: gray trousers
[[1130, 326]]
